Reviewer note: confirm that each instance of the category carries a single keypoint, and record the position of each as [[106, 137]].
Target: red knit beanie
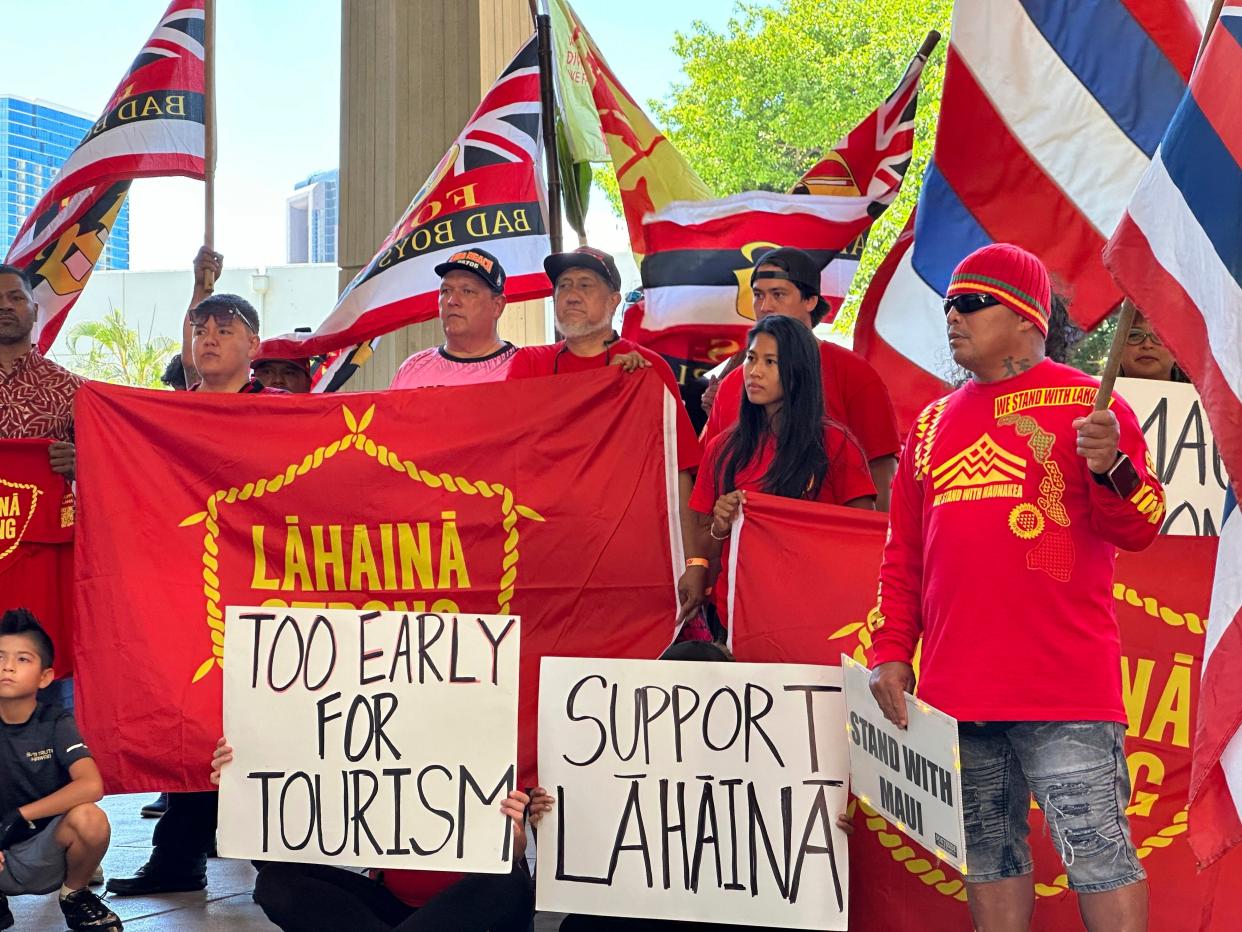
[[1012, 275]]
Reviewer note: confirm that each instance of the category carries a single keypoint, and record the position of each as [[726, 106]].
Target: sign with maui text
[[911, 776], [369, 739], [1184, 454], [445, 500], [694, 791]]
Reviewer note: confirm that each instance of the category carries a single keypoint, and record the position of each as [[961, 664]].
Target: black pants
[[185, 833], [320, 898]]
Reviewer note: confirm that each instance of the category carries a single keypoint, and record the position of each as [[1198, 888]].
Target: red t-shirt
[[848, 477], [531, 362], [854, 396], [1000, 552]]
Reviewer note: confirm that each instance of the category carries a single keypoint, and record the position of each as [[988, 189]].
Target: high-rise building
[[310, 219], [35, 139]]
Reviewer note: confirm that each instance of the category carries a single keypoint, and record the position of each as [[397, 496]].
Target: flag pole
[[1125, 320], [543, 29], [209, 134]]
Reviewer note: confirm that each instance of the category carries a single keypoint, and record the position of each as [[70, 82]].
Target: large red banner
[[790, 609], [36, 542], [503, 498]]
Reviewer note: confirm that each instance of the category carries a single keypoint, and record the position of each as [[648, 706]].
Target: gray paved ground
[[225, 905]]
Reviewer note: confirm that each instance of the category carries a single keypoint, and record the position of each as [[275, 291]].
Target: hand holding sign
[[890, 684]]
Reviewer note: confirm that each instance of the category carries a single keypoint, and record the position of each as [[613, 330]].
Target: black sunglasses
[[969, 303], [223, 316]]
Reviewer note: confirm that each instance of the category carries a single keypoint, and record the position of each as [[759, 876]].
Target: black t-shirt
[[35, 757]]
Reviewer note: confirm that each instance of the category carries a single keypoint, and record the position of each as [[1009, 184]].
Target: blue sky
[[278, 93]]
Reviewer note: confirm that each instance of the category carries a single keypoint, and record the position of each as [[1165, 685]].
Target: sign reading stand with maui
[[911, 775], [694, 791], [370, 739]]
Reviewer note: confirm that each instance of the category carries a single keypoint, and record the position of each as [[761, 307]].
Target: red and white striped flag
[[152, 126], [1177, 254]]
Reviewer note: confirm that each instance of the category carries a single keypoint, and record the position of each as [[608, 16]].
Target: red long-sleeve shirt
[[1001, 549]]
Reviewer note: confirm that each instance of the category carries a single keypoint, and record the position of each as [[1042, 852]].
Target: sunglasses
[[1136, 337], [969, 303], [223, 316]]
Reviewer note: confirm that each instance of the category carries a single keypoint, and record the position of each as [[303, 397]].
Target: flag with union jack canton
[[152, 126], [485, 192]]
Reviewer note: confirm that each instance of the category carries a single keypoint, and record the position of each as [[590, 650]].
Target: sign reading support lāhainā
[[369, 739], [912, 776], [694, 791]]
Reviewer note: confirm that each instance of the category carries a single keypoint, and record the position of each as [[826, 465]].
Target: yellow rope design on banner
[[354, 439], [1174, 619]]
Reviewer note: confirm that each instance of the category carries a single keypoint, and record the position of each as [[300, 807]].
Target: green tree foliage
[[109, 350], [783, 81]]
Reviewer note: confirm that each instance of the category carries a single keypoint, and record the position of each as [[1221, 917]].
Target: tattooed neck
[[1015, 366]]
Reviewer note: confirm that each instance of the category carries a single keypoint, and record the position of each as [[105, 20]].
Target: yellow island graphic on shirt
[[982, 470]]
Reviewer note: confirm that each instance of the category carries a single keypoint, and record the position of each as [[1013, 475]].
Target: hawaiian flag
[[1177, 254], [1051, 113], [486, 191], [152, 126]]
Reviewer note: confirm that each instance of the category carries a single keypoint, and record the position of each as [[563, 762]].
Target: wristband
[[697, 561], [712, 532]]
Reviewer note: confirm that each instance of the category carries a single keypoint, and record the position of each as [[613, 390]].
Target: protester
[[289, 374], [782, 444], [1010, 501], [785, 282], [36, 395], [224, 339], [472, 298], [322, 898], [586, 289], [174, 374], [52, 835], [1146, 357]]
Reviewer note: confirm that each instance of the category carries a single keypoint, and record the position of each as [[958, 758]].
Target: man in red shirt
[[586, 292], [785, 281], [1010, 500]]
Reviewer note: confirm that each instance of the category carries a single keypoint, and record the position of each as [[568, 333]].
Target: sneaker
[[84, 910], [6, 914], [150, 880], [156, 808]]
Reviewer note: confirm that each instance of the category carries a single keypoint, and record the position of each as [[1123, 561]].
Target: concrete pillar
[[412, 72]]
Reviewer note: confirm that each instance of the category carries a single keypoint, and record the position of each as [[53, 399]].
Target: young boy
[[51, 832]]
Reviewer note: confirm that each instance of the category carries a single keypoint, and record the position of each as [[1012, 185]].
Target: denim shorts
[[1077, 772]]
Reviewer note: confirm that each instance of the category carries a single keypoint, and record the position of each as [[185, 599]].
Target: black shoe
[[156, 808], [84, 910], [6, 914], [151, 880]]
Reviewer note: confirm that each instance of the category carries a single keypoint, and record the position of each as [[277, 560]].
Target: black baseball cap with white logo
[[584, 257], [479, 261]]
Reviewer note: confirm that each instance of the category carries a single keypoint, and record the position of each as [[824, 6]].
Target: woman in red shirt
[[782, 444]]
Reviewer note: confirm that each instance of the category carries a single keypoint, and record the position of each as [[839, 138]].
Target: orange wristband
[[698, 561]]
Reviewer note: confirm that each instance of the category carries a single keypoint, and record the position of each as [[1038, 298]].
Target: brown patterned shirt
[[36, 399]]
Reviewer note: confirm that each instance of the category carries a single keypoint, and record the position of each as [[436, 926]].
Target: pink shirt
[[435, 366]]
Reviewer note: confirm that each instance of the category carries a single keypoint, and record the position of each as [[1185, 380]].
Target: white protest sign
[[1184, 454], [912, 777], [693, 791], [369, 739]]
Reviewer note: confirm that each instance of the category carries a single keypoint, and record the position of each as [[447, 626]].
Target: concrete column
[[412, 72]]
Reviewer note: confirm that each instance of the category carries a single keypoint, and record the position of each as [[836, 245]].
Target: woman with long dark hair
[[782, 444]]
